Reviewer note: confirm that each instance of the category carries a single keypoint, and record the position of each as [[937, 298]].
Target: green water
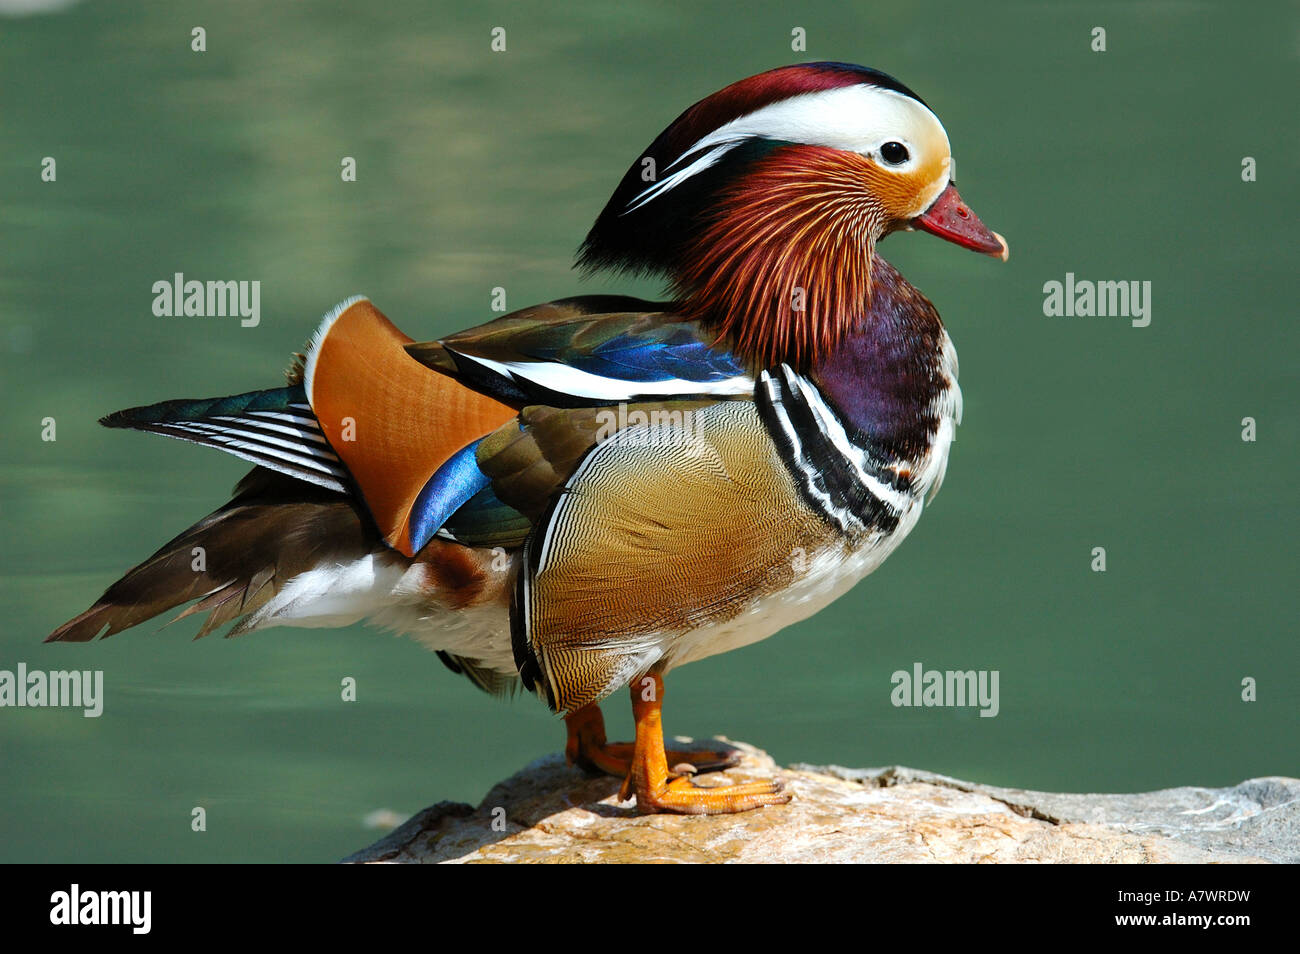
[[479, 169]]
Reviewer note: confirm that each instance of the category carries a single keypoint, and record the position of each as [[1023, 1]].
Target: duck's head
[[762, 203]]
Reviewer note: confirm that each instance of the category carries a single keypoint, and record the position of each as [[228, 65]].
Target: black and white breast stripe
[[837, 477]]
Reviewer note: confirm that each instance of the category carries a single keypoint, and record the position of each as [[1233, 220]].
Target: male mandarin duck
[[586, 494]]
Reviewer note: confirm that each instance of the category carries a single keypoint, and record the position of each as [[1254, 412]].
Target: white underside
[[386, 590]]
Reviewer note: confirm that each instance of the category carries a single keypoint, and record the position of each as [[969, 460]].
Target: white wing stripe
[[303, 432], [267, 447], [567, 380], [323, 453]]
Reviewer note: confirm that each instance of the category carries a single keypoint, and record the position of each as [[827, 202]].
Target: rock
[[549, 812]]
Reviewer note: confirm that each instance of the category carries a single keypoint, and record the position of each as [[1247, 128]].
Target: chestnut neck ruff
[[782, 266]]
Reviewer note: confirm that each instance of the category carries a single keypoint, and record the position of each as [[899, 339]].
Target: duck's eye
[[894, 153]]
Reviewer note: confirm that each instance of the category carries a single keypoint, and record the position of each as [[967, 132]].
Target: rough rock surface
[[549, 812]]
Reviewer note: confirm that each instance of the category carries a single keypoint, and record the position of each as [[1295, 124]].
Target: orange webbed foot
[[657, 789], [681, 796]]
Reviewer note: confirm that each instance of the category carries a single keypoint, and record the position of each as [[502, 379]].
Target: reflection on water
[[477, 170]]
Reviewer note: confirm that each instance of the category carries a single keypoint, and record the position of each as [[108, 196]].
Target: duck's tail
[[283, 552], [275, 429], [234, 560]]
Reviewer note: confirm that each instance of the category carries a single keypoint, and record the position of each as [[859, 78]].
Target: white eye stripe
[[853, 118]]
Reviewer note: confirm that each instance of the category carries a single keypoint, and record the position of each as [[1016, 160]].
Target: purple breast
[[884, 377]]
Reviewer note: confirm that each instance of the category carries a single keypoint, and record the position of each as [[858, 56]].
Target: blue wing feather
[[603, 358], [451, 485], [630, 358]]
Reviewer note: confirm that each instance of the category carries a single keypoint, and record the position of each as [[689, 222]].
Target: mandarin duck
[[583, 495]]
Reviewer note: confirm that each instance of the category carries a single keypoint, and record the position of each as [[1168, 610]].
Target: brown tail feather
[[274, 528]]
